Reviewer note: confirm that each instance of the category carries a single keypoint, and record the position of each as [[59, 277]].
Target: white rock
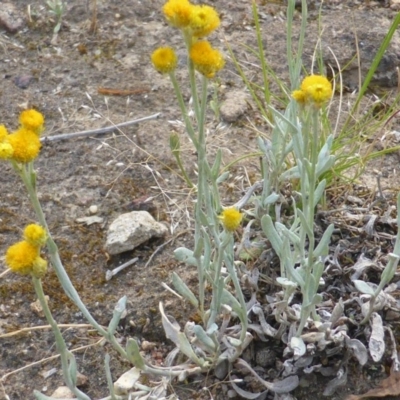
[[131, 230], [126, 381], [62, 392], [93, 209]]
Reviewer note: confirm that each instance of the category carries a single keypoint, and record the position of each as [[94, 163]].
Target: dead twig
[[66, 136]]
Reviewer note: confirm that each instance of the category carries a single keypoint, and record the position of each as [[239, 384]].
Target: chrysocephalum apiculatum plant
[[213, 255], [21, 148]]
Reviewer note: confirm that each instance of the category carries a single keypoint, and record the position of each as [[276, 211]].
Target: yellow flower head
[[178, 12], [231, 218], [315, 89], [203, 21], [32, 120], [25, 144], [3, 132], [164, 60], [35, 235], [206, 60], [6, 150], [299, 96], [21, 256]]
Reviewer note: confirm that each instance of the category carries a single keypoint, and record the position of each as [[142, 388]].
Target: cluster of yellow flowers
[[24, 257], [23, 145], [315, 90], [196, 21]]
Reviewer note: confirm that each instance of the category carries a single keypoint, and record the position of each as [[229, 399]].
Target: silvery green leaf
[[133, 353], [330, 161], [318, 269], [291, 173], [334, 384], [317, 299], [337, 312], [185, 255], [172, 332], [212, 329], [325, 160], [223, 177], [108, 375], [198, 248], [298, 346], [72, 369], [117, 315], [286, 283], [358, 350], [376, 343], [271, 233], [283, 231], [280, 117], [228, 299], [271, 199], [184, 290], [262, 144], [126, 381], [304, 223], [284, 386], [319, 191], [323, 246], [203, 218], [390, 269], [204, 338], [363, 287], [217, 164]]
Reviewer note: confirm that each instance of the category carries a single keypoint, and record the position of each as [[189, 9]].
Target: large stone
[[131, 230]]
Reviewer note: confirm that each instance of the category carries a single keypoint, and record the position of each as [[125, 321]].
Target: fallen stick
[[66, 136]]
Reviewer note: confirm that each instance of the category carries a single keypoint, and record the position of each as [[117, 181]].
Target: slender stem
[[181, 102], [217, 291], [65, 354], [28, 176], [192, 75], [308, 183]]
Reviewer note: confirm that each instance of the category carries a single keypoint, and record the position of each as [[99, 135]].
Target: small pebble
[[62, 392], [93, 209], [146, 346]]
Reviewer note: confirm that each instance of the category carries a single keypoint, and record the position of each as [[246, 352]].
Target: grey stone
[[234, 106], [131, 230]]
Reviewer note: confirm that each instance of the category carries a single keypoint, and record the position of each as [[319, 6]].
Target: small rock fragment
[[146, 346], [131, 230], [234, 106], [62, 392], [10, 19], [36, 307], [395, 5], [94, 219], [46, 374], [81, 380], [23, 81]]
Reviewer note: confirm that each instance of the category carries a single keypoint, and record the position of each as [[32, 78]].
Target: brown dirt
[[116, 172]]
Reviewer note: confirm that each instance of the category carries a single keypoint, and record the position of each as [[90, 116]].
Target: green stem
[[28, 176], [65, 355], [192, 75], [309, 181], [182, 106], [218, 287], [176, 153]]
